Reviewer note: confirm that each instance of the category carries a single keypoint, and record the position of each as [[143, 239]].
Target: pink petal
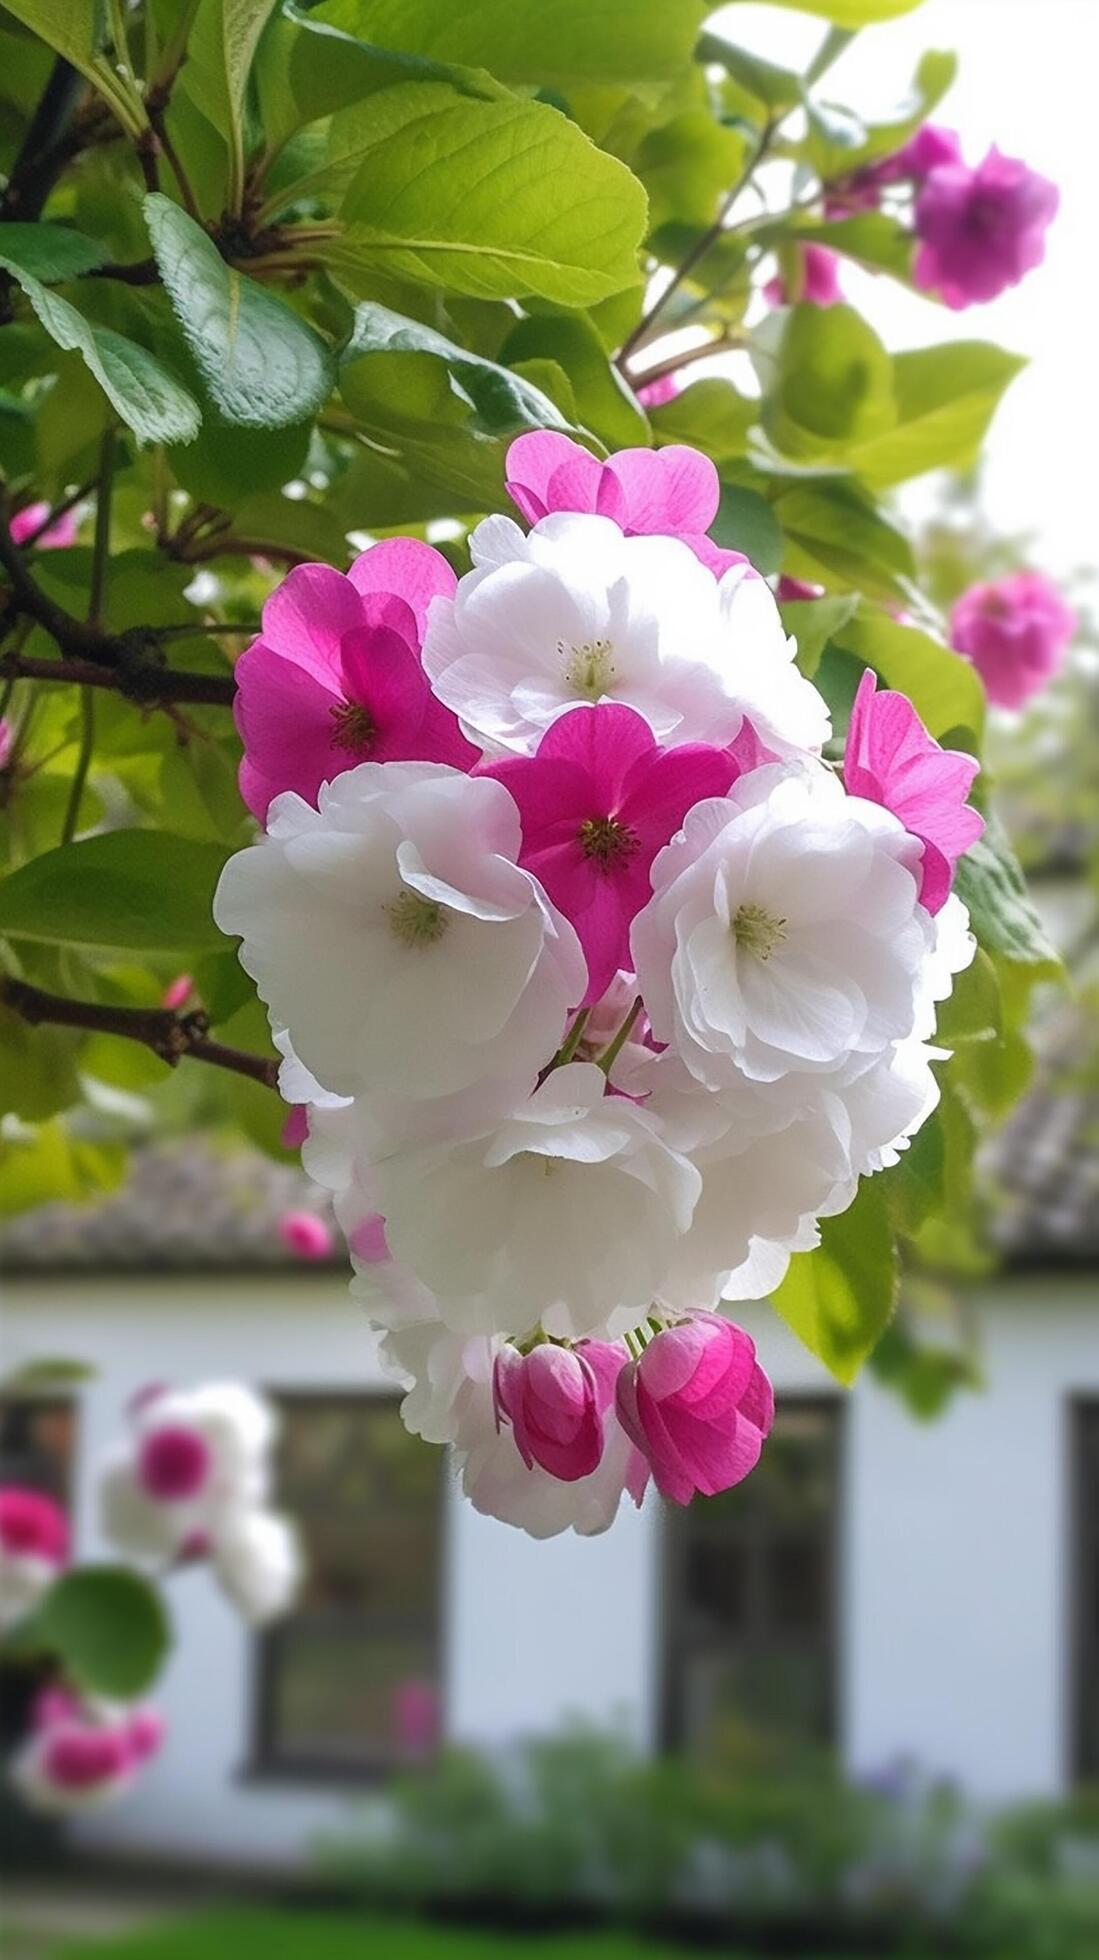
[[306, 617], [715, 558], [605, 740], [532, 462], [663, 785], [284, 715], [669, 492], [410, 570]]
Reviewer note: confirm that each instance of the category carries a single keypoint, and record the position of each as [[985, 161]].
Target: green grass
[[245, 1934]]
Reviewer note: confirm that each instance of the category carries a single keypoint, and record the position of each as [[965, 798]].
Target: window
[[1085, 1569], [37, 1435], [350, 1682], [750, 1595]]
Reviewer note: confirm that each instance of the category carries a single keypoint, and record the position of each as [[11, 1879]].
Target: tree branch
[[46, 147], [154, 687], [169, 1035]]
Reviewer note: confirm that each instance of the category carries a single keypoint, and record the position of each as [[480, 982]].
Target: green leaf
[[813, 623], [839, 141], [70, 27], [49, 252], [745, 522], [687, 165], [236, 26], [871, 238], [710, 415], [109, 1628], [38, 1068], [833, 384], [774, 87], [839, 1299], [604, 403], [264, 366], [143, 889], [852, 13], [227, 463], [944, 689], [916, 1186], [140, 388], [495, 199], [47, 1165], [990, 881], [501, 402], [50, 1371], [946, 398], [837, 538], [628, 41]]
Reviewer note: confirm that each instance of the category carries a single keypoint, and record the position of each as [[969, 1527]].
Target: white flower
[[499, 1484], [193, 1457], [573, 611], [784, 934], [392, 934], [257, 1562], [568, 1213]]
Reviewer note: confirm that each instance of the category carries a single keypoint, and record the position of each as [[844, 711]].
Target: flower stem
[[608, 1058]]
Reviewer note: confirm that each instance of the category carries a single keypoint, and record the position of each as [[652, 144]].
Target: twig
[[222, 547], [153, 687], [170, 1035], [97, 592], [45, 148], [723, 343], [56, 512]]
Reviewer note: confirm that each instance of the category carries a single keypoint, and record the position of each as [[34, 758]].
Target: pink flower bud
[[654, 394], [32, 1525], [295, 1130], [892, 760], [820, 284], [173, 1463], [306, 1235], [698, 1406], [555, 1399], [84, 1758], [1016, 631], [789, 589], [178, 992], [56, 537]]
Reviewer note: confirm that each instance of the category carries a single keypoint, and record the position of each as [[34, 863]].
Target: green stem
[[572, 1040], [83, 764], [97, 592], [608, 1058]]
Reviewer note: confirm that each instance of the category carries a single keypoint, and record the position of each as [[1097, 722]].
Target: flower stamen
[[415, 920], [353, 727], [757, 930], [606, 841], [589, 667]]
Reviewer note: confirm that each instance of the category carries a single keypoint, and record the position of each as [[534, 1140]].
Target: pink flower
[[335, 676], [178, 992], [892, 760], [306, 1235], [173, 1463], [820, 284], [77, 1756], [931, 146], [597, 802], [698, 1406], [56, 538], [670, 493], [980, 230], [1016, 631], [556, 1400], [295, 1130], [32, 1525], [654, 394], [789, 589]]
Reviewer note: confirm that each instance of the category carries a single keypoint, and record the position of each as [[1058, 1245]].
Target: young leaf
[[143, 889], [852, 13], [502, 402], [839, 1298], [624, 41], [264, 366], [944, 688], [990, 882], [495, 199], [140, 388], [108, 1627], [946, 398]]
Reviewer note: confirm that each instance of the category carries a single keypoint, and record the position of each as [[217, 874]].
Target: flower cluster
[[83, 1753], [1016, 631], [192, 1482], [597, 986]]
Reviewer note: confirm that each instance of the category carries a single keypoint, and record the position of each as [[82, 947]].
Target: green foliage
[[106, 1625], [135, 889], [839, 1298]]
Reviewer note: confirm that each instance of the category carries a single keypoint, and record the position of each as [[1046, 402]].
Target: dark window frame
[[1082, 1617], [676, 1645], [265, 1762]]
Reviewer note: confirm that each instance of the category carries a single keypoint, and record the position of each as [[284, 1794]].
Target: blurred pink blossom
[[1016, 631], [306, 1235], [980, 230]]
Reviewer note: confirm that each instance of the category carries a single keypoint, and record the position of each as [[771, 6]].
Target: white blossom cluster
[[508, 1170]]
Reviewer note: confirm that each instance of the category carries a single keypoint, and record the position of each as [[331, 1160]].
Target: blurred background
[[855, 1700]]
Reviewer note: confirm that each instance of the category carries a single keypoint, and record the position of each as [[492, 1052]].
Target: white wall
[[954, 1583]]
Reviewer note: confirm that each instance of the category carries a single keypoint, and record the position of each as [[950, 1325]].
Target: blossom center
[[589, 667], [353, 727], [757, 930], [606, 841], [415, 920]]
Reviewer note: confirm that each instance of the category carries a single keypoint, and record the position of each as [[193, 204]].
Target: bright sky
[[1026, 82]]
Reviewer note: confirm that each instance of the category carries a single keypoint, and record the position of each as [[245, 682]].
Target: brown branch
[[153, 686], [723, 343], [170, 1035], [46, 147], [222, 547]]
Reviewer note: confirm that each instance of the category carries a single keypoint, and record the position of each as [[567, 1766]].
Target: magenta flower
[[698, 1406], [174, 1463], [669, 493], [556, 1400], [980, 230], [654, 394], [32, 1525], [56, 537], [597, 802], [931, 146], [820, 284], [1016, 631], [335, 676], [789, 589], [892, 760]]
